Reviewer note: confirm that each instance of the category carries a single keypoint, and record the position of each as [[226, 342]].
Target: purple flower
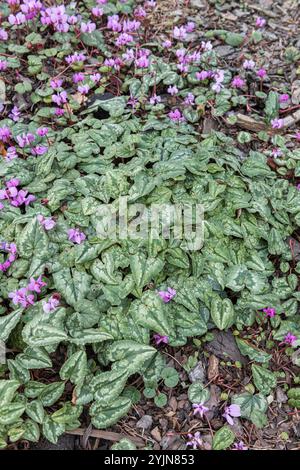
[[83, 89], [289, 339], [113, 23], [5, 134], [199, 409], [25, 139], [237, 82], [277, 123], [155, 99], [88, 27], [15, 114], [206, 45], [160, 339], [172, 90], [11, 153], [123, 39], [76, 236], [3, 65], [47, 222], [39, 150], [60, 98], [97, 12], [203, 75], [190, 26], [167, 44], [56, 83], [176, 116], [232, 411], [75, 58], [260, 22], [78, 77], [276, 152], [96, 77], [284, 98], [36, 285], [189, 99], [270, 312], [17, 19], [168, 295], [261, 73], [179, 33], [297, 136], [239, 446], [22, 297], [3, 35], [42, 131], [248, 64], [195, 440], [51, 305]]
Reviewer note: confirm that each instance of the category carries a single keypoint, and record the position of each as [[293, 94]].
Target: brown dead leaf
[[213, 367]]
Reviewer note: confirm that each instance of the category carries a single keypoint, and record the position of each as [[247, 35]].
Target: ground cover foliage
[[98, 104]]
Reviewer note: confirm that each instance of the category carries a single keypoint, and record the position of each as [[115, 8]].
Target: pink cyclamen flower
[[289, 339], [25, 139], [237, 82], [3, 35], [36, 285], [11, 153], [232, 411], [60, 98], [96, 77], [239, 446], [297, 136], [51, 305], [3, 65], [195, 440], [97, 12], [88, 27], [261, 73], [176, 116], [260, 22], [189, 99], [56, 83], [179, 33], [21, 297], [284, 98], [42, 131], [248, 64], [168, 295], [47, 222], [5, 134], [39, 150], [160, 339], [277, 123], [15, 114], [199, 409], [172, 90], [167, 44], [155, 99], [83, 89], [270, 312], [190, 26], [78, 77], [76, 236], [276, 152]]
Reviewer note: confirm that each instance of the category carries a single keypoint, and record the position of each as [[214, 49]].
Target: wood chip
[[213, 367]]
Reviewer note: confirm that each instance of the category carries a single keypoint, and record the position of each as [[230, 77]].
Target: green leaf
[[133, 355], [103, 417], [52, 430], [107, 386], [144, 270], [8, 323], [170, 376], [223, 438], [32, 240], [35, 411], [72, 284], [252, 352], [11, 412], [51, 393], [197, 393], [222, 312], [252, 407], [161, 400], [75, 368], [8, 389], [151, 313], [264, 380]]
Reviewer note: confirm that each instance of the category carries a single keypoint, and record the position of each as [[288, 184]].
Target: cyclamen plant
[[101, 104]]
